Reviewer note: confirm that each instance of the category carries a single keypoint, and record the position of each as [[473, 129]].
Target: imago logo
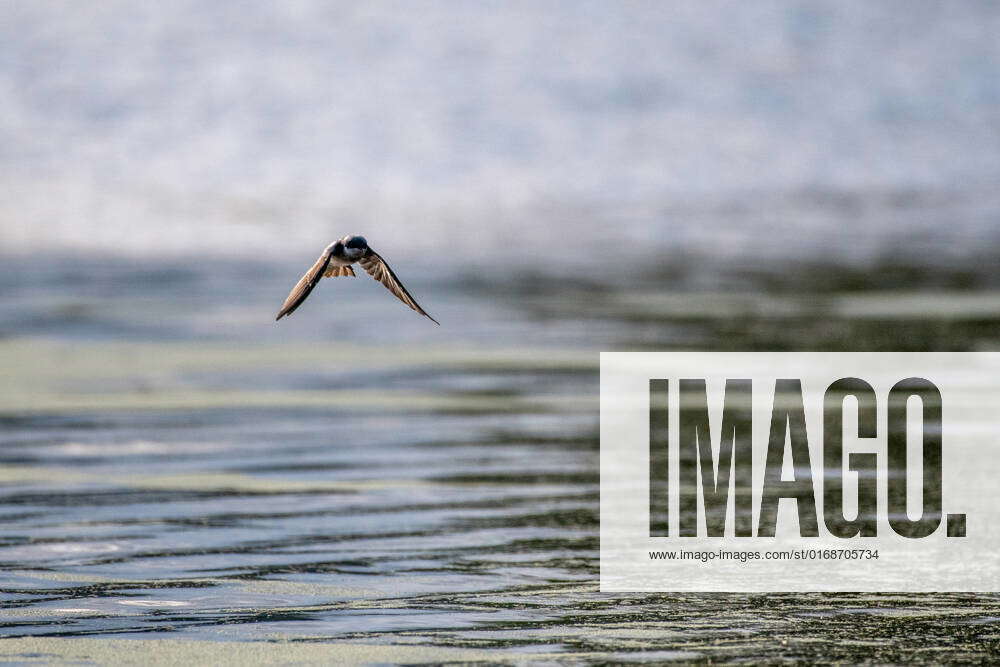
[[728, 479], [800, 471]]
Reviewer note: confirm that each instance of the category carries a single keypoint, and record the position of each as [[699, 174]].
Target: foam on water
[[726, 128]]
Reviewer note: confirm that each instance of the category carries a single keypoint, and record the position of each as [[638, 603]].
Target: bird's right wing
[[304, 286]]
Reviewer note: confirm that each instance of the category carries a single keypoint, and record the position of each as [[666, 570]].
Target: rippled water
[[438, 490]]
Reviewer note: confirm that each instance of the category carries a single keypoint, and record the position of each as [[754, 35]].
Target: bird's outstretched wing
[[378, 269], [304, 286]]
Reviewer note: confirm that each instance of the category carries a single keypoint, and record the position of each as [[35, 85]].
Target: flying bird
[[336, 261]]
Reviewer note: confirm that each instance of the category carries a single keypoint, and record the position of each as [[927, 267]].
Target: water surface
[[440, 490]]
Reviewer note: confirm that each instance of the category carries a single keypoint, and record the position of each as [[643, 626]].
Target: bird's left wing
[[378, 269], [304, 286]]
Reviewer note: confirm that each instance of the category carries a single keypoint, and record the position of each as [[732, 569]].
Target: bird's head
[[354, 246]]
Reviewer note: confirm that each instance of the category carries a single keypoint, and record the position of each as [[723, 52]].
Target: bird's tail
[[334, 271]]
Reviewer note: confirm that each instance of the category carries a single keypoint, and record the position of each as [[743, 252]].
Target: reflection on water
[[296, 483]]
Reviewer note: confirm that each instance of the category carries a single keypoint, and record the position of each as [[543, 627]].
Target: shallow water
[[439, 489]]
